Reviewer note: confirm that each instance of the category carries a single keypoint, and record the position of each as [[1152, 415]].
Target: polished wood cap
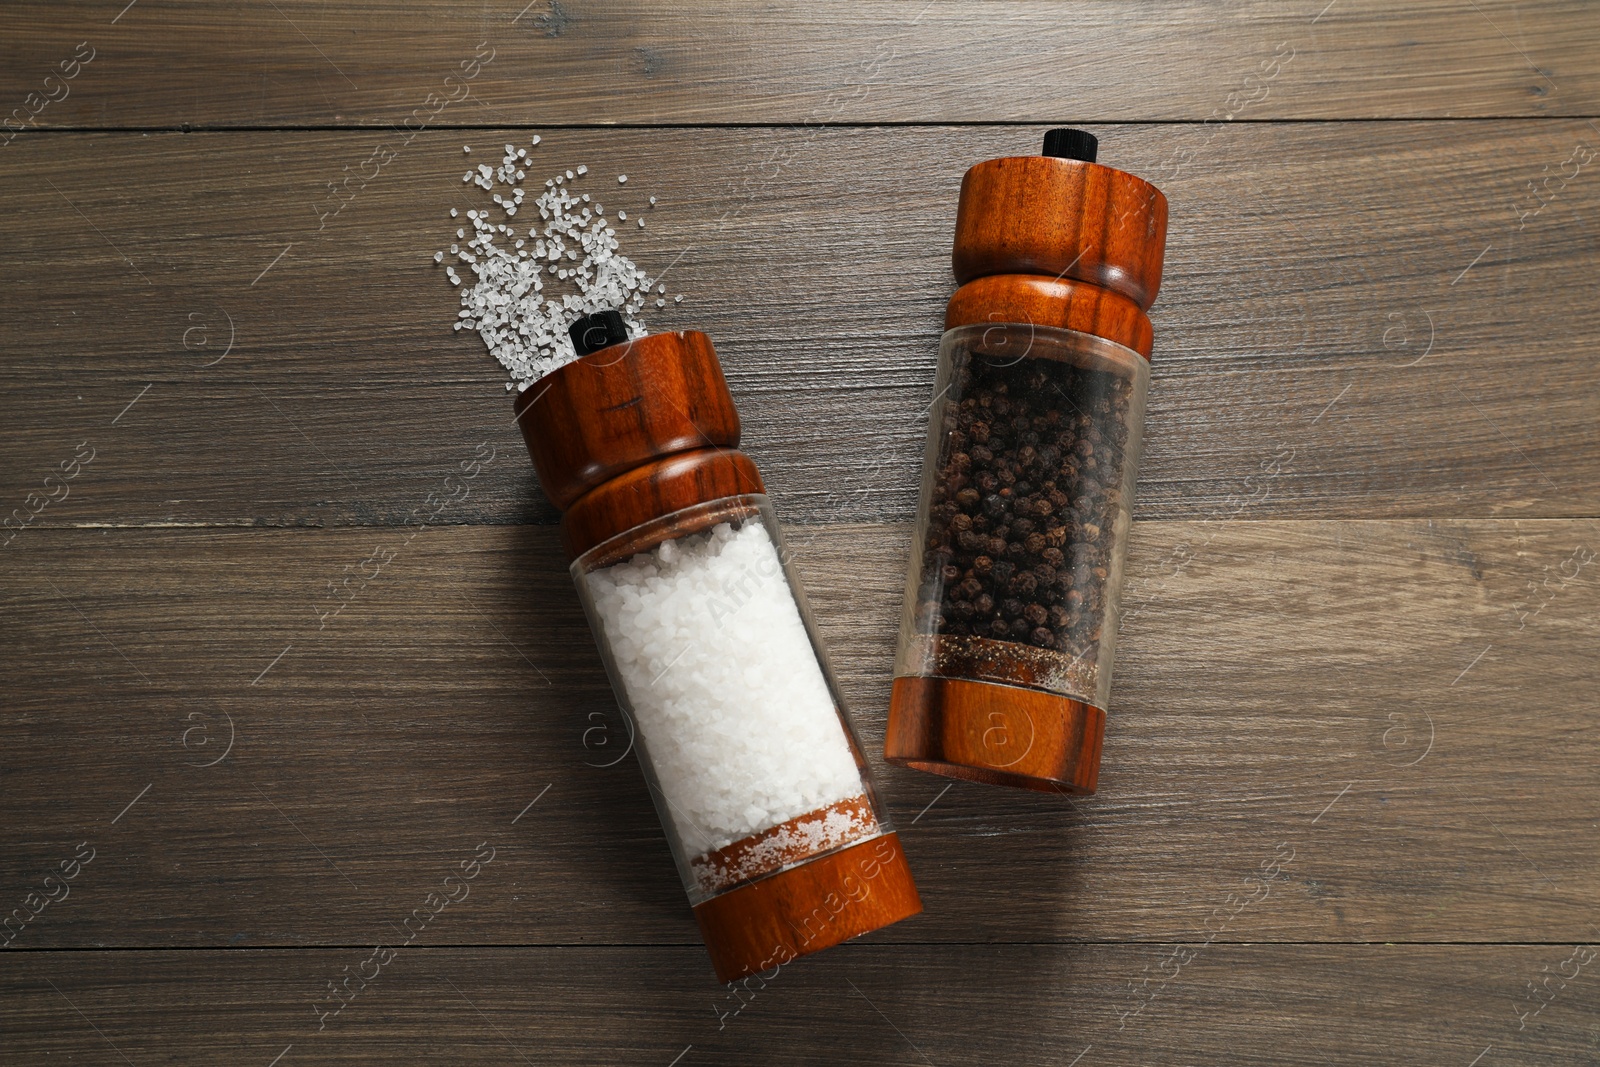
[[624, 406], [769, 922], [1040, 301], [1064, 219], [652, 490], [997, 734]]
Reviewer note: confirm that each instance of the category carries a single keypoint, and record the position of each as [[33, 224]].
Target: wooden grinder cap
[[633, 430], [1059, 240]]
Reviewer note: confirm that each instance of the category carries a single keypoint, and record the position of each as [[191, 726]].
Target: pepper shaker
[[768, 804], [1010, 619]]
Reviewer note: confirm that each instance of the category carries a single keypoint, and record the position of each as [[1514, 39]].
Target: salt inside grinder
[[768, 805], [1004, 662]]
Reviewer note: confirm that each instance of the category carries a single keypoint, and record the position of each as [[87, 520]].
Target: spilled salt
[[521, 304]]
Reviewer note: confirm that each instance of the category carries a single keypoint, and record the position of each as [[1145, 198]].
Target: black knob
[[600, 330], [1071, 144]]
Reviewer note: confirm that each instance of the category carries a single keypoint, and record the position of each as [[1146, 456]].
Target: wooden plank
[[968, 1004], [1334, 293], [166, 62], [1382, 707]]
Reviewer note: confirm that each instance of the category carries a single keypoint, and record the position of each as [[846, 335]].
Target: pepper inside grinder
[[1010, 617]]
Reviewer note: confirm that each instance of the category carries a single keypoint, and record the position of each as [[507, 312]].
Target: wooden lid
[[769, 922], [1040, 301], [622, 407], [652, 491], [998, 734], [1065, 219]]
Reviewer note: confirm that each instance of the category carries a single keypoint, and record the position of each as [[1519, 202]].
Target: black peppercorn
[[1022, 505]]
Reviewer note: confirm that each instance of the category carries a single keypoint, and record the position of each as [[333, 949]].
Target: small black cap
[[603, 329], [1071, 144]]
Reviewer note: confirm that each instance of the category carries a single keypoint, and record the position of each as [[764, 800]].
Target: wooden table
[[1348, 810]]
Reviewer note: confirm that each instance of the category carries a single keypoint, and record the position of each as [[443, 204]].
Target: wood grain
[[674, 484], [1043, 301], [1386, 700], [1061, 218], [623, 406], [269, 679], [1277, 1005], [371, 62], [759, 927], [1356, 296], [1002, 735]]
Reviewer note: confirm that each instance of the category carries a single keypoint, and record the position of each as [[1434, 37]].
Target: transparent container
[[741, 730], [1023, 522], [1004, 665]]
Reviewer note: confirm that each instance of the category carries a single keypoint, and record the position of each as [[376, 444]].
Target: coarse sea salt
[[514, 301], [730, 702]]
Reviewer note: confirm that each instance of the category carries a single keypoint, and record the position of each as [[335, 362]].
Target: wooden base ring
[[766, 923], [998, 734]]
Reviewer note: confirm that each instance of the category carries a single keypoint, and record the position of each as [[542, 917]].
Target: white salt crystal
[[622, 179], [729, 700], [467, 149], [438, 257], [521, 327], [623, 215]]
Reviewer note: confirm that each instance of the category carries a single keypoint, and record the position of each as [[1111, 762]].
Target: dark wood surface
[[1303, 258], [1347, 805]]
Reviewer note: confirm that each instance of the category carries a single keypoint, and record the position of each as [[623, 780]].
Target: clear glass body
[[740, 729], [1016, 567]]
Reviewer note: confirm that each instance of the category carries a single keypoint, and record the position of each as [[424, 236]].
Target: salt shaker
[[1010, 618], [768, 804]]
